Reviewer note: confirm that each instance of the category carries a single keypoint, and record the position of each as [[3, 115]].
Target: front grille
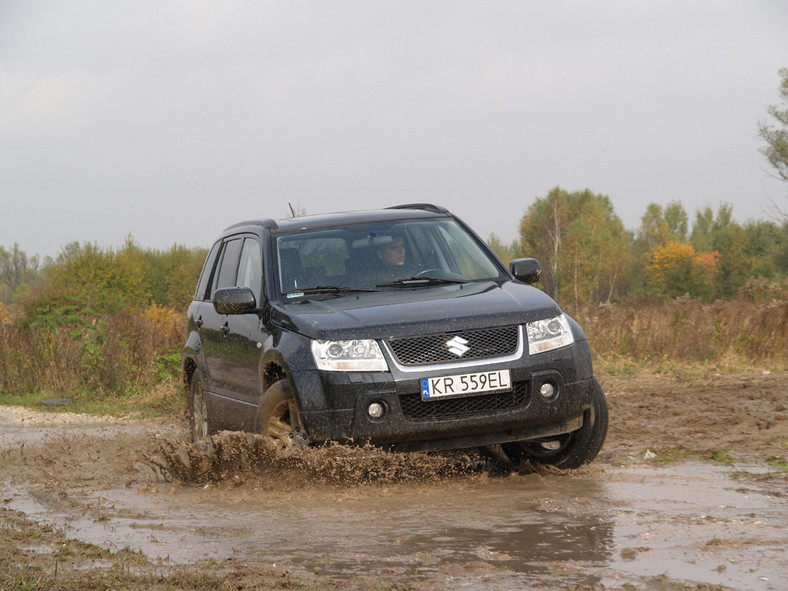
[[417, 410], [486, 343]]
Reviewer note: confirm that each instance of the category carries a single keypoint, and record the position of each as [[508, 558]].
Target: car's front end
[[411, 379]]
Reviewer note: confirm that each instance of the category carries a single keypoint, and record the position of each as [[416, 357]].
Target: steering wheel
[[438, 273]]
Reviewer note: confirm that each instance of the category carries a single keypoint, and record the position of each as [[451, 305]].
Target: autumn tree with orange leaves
[[676, 268]]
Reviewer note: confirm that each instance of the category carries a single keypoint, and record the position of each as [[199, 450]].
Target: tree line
[[105, 280], [588, 257]]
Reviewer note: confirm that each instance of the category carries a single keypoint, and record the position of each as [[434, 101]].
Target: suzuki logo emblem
[[458, 346]]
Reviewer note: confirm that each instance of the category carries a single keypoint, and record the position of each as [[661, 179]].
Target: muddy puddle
[[440, 521]]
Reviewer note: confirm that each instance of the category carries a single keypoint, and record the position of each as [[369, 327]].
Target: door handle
[[199, 322]]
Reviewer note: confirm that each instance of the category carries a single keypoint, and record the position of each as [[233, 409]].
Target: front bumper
[[533, 419], [334, 406]]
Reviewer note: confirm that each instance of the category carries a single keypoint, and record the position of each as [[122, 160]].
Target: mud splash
[[232, 455]]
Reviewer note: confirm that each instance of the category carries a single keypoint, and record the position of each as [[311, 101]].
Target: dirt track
[[349, 518]]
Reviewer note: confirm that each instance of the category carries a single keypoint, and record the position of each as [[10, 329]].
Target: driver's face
[[394, 253]]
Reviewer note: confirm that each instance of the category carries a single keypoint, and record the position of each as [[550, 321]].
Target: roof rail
[[266, 223], [424, 206]]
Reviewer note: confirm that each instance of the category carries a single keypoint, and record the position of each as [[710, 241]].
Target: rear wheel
[[198, 409], [570, 450], [278, 418]]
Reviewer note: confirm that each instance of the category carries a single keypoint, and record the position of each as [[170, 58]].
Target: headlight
[[549, 334], [355, 355]]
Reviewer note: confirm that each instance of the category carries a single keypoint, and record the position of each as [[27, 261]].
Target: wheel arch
[[273, 368], [189, 367]]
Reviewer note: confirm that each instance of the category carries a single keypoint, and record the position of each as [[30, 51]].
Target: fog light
[[375, 410], [547, 391]]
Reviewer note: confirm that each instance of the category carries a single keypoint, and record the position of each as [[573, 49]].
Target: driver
[[393, 255], [392, 260]]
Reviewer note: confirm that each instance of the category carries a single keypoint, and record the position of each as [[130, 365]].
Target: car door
[[233, 343], [215, 326], [246, 337]]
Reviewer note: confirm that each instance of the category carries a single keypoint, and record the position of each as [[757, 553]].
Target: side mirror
[[526, 270], [234, 300]]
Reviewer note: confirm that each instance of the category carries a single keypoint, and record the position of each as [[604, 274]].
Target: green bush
[[99, 322]]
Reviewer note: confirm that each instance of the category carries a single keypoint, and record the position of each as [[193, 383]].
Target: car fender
[[293, 358], [582, 352]]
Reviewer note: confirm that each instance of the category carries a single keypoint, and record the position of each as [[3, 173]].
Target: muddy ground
[[687, 493]]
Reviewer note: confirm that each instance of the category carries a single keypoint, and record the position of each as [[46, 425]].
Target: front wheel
[[278, 418], [570, 450]]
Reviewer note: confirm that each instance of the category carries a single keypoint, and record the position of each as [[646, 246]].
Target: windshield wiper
[[326, 289], [420, 281]]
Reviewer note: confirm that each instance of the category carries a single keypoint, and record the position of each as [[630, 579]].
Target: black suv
[[398, 327]]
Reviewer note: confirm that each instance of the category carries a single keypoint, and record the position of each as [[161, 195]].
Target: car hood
[[402, 312]]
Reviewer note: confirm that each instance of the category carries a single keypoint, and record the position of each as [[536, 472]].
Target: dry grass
[[104, 355], [752, 328]]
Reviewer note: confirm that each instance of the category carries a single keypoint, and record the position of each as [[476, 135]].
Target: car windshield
[[379, 256]]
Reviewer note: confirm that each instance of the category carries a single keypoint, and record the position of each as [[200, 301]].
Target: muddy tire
[[571, 450], [278, 418], [199, 424]]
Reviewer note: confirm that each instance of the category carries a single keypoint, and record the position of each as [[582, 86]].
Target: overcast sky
[[171, 119]]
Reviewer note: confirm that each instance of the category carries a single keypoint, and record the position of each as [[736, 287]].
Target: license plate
[[462, 385]]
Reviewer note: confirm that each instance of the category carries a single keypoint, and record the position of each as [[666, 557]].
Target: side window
[[228, 266], [250, 269], [207, 273]]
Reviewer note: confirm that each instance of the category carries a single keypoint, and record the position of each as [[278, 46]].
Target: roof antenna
[[291, 209]]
